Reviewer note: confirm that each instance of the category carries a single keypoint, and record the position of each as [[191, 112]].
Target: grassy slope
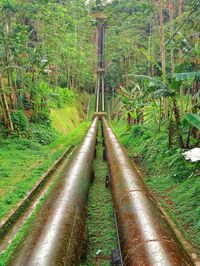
[[174, 180], [22, 162], [67, 118], [92, 107]]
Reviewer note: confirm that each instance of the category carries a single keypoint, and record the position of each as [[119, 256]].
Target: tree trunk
[[178, 123], [180, 7], [171, 129], [171, 34], [149, 49], [6, 111], [129, 119], [166, 107], [162, 47], [188, 99], [3, 111], [181, 100], [162, 54], [195, 89], [188, 139], [160, 115], [180, 11]]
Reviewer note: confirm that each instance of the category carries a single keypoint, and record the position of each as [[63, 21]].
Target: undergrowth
[[174, 181]]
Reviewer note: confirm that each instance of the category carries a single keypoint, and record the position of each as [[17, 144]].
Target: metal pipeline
[[97, 94], [55, 237], [145, 236]]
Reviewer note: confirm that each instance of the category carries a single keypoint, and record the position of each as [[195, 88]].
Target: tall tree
[[180, 7], [5, 109], [162, 46], [163, 54], [171, 35]]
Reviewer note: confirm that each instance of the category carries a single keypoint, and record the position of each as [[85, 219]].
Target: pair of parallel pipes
[[55, 237]]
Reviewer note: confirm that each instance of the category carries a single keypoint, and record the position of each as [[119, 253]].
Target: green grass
[[6, 256], [100, 222], [62, 119], [23, 162], [69, 116], [92, 107], [174, 181]]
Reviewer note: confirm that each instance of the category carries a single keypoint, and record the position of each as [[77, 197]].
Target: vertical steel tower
[[100, 90]]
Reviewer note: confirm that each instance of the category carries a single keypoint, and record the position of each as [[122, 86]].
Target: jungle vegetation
[[153, 75], [46, 57], [153, 52], [153, 48]]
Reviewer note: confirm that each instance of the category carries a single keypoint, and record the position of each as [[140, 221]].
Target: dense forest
[[47, 53], [153, 63]]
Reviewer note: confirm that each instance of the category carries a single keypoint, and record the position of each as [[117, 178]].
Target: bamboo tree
[[178, 122]]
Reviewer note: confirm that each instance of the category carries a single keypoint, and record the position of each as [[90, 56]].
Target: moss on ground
[[100, 222], [174, 181]]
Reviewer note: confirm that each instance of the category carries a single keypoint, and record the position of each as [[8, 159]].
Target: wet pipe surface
[[145, 236], [56, 235], [101, 230]]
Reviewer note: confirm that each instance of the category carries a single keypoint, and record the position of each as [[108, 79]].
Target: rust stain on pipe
[[55, 237], [145, 236]]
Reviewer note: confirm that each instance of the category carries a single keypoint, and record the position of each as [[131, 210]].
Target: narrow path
[[100, 222]]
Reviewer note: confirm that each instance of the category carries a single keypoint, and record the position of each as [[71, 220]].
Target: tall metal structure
[[100, 90]]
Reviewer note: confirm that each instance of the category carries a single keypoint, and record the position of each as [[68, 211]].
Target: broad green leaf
[[187, 76], [193, 119]]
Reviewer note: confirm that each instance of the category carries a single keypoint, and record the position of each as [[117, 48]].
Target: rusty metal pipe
[[145, 236], [55, 237], [97, 95]]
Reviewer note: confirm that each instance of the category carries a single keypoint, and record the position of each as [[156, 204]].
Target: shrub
[[20, 123], [41, 117], [42, 134], [137, 130]]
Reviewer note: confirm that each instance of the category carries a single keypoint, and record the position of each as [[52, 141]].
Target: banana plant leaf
[[193, 119], [187, 76]]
